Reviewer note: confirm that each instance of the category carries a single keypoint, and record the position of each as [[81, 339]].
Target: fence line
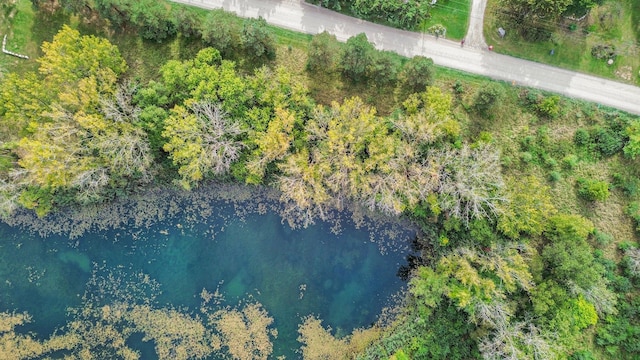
[[4, 49]]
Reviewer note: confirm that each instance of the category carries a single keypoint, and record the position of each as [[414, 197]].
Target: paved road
[[300, 16]]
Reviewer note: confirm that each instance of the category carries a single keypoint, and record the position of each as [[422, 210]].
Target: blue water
[[344, 279]]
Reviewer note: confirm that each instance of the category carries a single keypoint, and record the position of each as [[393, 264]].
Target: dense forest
[[528, 202]]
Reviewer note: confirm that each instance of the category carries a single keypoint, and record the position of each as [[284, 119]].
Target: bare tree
[[470, 181], [632, 256], [218, 134], [9, 194], [120, 108], [127, 154], [89, 184], [603, 299]]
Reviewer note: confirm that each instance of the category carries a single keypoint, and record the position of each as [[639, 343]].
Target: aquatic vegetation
[[117, 306]]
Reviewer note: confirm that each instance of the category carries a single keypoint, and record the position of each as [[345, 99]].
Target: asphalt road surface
[[474, 57]]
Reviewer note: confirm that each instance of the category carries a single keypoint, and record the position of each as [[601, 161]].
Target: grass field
[[614, 23]]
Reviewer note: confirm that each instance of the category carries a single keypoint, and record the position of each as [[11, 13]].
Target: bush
[[582, 137], [633, 210], [549, 106], [604, 52], [608, 142], [602, 238], [593, 190], [487, 97], [220, 31], [570, 161], [555, 176]]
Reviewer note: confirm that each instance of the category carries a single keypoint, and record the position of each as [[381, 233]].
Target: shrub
[[593, 190], [633, 210], [608, 142], [549, 106], [604, 52], [582, 137], [570, 161], [487, 97], [603, 238]]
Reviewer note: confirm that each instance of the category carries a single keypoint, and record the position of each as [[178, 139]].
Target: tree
[[82, 136], [201, 141], [383, 70], [470, 182], [357, 57], [71, 57], [188, 23], [154, 20], [323, 53], [427, 118], [632, 148], [221, 32], [23, 100], [349, 143], [118, 12], [567, 257], [528, 209], [273, 144], [206, 78], [257, 40], [416, 75]]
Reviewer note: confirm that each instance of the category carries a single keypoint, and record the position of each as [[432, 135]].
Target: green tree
[[82, 139], [568, 258], [71, 57], [349, 143], [206, 78], [383, 70], [632, 148], [357, 56], [323, 53], [118, 12], [257, 41], [220, 31], [529, 208], [153, 19], [188, 23], [416, 75]]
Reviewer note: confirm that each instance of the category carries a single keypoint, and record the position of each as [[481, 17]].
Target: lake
[[342, 274]]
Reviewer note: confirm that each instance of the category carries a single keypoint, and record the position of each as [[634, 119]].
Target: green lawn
[[453, 14], [573, 41]]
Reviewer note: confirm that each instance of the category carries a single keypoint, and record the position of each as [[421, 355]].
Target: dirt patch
[[625, 73]]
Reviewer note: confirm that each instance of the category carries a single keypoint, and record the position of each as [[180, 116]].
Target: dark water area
[[344, 279]]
